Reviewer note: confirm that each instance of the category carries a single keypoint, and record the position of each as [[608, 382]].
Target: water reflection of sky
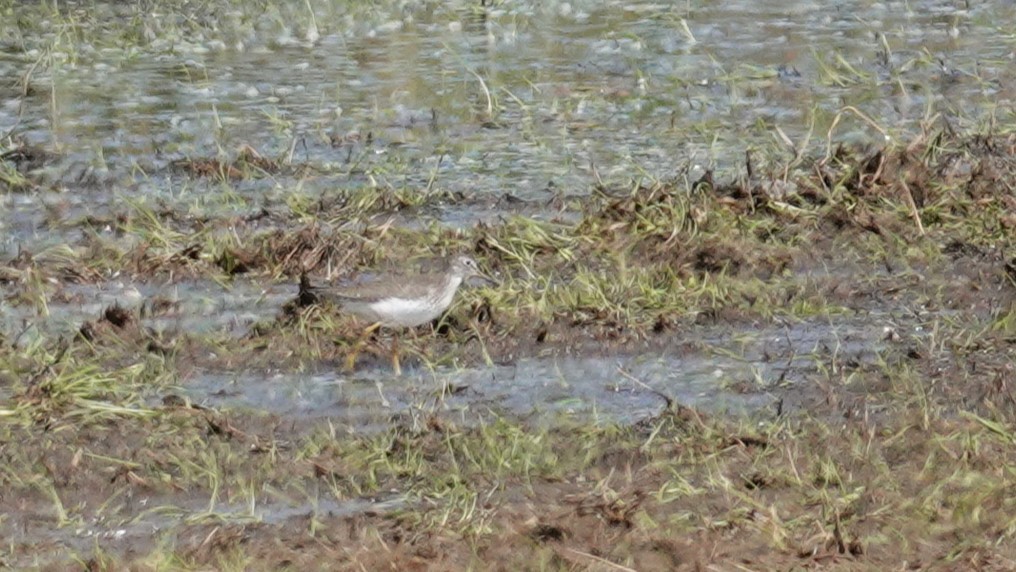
[[732, 376], [573, 85]]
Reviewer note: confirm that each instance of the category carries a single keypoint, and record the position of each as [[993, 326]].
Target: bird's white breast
[[396, 311]]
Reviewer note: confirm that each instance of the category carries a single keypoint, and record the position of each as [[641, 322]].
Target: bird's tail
[[306, 297]]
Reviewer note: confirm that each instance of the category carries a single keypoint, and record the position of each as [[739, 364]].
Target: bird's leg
[[395, 354], [351, 358]]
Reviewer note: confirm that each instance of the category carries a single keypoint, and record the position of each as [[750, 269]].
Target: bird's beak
[[486, 277]]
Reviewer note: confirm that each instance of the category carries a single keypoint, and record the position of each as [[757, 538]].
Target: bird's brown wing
[[379, 288]]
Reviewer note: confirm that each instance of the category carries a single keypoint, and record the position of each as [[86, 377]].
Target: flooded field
[[754, 304]]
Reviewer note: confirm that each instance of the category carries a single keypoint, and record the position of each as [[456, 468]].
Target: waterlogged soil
[[755, 305], [839, 398]]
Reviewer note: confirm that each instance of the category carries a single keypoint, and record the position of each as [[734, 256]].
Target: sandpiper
[[398, 301]]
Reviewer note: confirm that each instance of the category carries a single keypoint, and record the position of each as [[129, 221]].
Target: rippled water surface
[[530, 99], [522, 97]]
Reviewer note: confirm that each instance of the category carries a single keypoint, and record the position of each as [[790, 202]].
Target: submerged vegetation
[[899, 450], [155, 412]]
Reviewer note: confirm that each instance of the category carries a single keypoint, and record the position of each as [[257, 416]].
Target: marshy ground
[[793, 355]]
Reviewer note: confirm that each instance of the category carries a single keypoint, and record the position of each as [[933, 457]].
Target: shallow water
[[197, 307], [733, 376], [509, 107], [590, 389], [397, 94], [536, 99], [146, 522]]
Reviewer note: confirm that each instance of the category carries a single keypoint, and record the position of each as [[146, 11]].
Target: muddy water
[[532, 98], [589, 389], [397, 94], [194, 307], [732, 376], [147, 518], [536, 99]]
